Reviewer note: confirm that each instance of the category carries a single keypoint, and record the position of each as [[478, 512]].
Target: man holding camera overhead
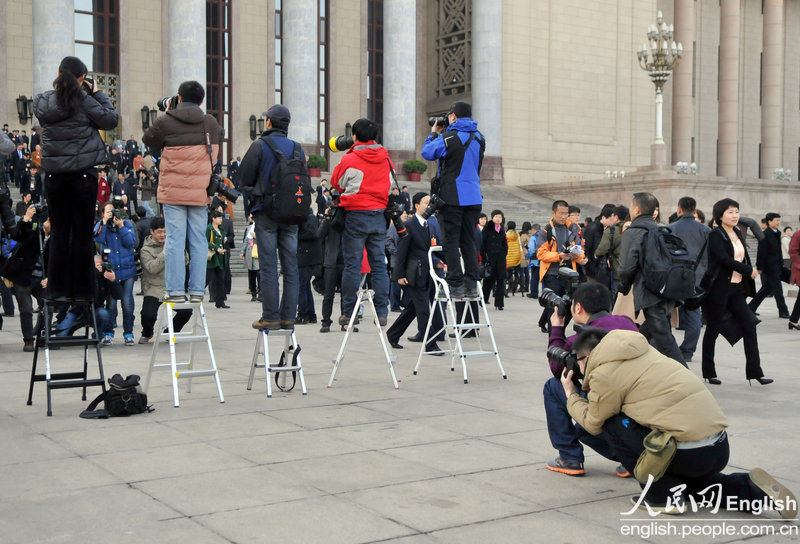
[[184, 136], [363, 177], [456, 190]]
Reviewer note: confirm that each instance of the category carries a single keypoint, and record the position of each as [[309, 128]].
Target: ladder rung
[[193, 373], [183, 305], [277, 332], [75, 383], [187, 339], [58, 376], [468, 326], [477, 353], [284, 368], [69, 341], [169, 365]]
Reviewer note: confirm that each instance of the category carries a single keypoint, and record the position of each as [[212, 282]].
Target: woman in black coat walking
[[494, 249], [728, 279], [70, 116]]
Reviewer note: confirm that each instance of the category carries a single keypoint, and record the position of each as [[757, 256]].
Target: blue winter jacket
[[467, 191], [121, 243]]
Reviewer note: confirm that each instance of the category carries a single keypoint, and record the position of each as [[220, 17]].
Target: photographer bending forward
[[636, 393]]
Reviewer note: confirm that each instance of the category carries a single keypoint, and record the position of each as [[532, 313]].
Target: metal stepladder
[[46, 340], [460, 325], [199, 333], [282, 367], [365, 297]]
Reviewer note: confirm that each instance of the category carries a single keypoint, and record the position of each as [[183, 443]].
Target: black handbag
[[123, 397]]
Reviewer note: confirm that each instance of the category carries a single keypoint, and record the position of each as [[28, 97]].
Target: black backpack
[[667, 267], [288, 191], [123, 397]]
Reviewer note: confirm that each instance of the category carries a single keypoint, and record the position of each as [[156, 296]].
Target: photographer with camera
[[188, 140], [663, 425], [363, 178], [116, 233], [456, 190], [589, 305], [559, 247], [275, 239], [71, 116]]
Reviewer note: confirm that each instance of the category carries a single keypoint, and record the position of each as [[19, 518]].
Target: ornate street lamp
[[260, 125], [24, 108], [252, 127], [153, 115], [145, 118], [659, 57]]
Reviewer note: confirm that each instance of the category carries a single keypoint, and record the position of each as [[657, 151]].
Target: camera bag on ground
[[123, 397], [288, 191], [668, 270]]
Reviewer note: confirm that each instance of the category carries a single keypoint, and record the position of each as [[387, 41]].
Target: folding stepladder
[[280, 368], [199, 333], [64, 380], [459, 325], [365, 297]]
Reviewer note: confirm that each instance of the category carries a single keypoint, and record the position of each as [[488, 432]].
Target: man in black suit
[[769, 263], [125, 188], [413, 273], [35, 138]]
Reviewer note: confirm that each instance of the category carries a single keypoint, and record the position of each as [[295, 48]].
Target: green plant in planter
[[414, 166], [317, 161]]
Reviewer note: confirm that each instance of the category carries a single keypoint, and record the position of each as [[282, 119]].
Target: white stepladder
[[280, 368], [460, 325], [365, 296], [199, 333]]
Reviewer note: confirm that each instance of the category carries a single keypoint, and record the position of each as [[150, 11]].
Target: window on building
[[375, 63], [278, 52], [218, 68], [453, 47], [97, 45]]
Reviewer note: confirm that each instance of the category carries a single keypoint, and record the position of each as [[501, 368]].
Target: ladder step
[[168, 365], [193, 373], [277, 332], [478, 353], [58, 376], [469, 326], [188, 339], [75, 383], [283, 368], [69, 341], [184, 305]]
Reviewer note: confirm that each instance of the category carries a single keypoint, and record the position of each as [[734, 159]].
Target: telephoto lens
[[168, 102], [442, 120], [340, 143]]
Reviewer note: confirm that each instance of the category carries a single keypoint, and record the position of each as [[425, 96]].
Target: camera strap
[[394, 176], [208, 142]]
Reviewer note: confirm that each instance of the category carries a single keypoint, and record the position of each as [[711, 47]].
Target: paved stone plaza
[[436, 461]]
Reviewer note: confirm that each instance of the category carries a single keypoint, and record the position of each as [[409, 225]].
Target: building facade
[[555, 85]]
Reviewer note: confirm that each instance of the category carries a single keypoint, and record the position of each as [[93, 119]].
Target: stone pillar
[[487, 77], [54, 39], [399, 75], [682, 101], [300, 69], [772, 88], [187, 43], [729, 42]]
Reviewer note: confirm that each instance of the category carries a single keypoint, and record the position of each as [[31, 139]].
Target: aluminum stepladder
[[63, 380], [199, 333], [459, 325], [365, 296], [290, 351]]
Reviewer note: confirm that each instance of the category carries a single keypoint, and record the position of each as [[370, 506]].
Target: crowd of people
[[117, 214]]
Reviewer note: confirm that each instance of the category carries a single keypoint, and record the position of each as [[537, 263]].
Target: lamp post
[[145, 118], [24, 108], [659, 56], [252, 127]]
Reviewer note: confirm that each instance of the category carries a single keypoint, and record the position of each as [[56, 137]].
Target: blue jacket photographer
[[459, 150]]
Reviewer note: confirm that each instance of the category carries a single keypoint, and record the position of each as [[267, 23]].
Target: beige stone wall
[[750, 89], [791, 96], [17, 77], [575, 102], [706, 74]]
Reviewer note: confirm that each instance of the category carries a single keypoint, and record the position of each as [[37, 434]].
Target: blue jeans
[[275, 241], [184, 222], [364, 229], [128, 306], [72, 318], [691, 322], [305, 304], [565, 435], [146, 205]]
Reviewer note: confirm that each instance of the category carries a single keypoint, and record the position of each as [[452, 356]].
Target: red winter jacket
[[363, 177]]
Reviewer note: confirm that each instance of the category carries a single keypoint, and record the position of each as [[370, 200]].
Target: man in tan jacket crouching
[[636, 394]]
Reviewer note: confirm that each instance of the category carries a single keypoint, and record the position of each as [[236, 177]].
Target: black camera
[[88, 85], [562, 304], [104, 255], [40, 209], [217, 187], [569, 360], [341, 143], [395, 213], [434, 206], [167, 103], [442, 120]]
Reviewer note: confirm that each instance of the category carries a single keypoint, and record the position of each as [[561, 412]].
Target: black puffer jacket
[[70, 142]]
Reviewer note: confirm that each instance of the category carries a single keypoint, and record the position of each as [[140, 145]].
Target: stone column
[[682, 101], [772, 88], [399, 75], [487, 77], [729, 42], [54, 39], [187, 43], [300, 69]]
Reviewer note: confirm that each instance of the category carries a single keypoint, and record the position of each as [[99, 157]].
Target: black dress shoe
[[794, 326], [436, 348], [714, 381], [762, 380], [395, 345], [416, 338], [783, 316], [223, 305]]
